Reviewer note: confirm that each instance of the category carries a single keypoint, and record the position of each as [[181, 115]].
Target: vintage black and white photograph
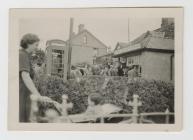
[[96, 66]]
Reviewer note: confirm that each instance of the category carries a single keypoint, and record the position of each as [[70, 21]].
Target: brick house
[[86, 47], [152, 52]]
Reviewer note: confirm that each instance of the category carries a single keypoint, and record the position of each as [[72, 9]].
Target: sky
[[109, 30]]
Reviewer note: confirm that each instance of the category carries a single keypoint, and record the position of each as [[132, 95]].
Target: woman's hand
[[34, 97], [38, 97], [44, 99]]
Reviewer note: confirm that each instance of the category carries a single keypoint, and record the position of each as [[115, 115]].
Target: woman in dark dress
[[28, 44]]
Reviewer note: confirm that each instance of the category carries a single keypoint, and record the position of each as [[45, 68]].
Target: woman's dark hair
[[28, 39]]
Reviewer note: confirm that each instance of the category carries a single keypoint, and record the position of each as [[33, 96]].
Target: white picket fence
[[134, 117]]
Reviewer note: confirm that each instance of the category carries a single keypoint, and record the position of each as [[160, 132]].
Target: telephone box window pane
[[57, 62]]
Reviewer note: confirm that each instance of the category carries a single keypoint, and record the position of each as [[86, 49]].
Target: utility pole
[[70, 47], [128, 31]]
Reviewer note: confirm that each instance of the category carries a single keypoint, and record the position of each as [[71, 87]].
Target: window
[[96, 51], [57, 67], [85, 39], [129, 61], [123, 59], [133, 60]]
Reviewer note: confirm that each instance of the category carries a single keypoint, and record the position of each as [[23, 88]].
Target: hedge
[[156, 96]]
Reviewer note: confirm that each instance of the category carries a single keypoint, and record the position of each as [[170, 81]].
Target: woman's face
[[32, 47]]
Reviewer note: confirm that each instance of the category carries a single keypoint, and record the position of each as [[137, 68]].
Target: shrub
[[156, 96]]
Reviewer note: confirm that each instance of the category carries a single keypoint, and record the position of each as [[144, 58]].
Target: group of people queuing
[[109, 69]]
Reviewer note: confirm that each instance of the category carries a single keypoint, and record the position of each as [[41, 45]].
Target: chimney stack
[[80, 28], [166, 22]]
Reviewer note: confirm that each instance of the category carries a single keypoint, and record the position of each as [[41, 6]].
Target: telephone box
[[57, 58]]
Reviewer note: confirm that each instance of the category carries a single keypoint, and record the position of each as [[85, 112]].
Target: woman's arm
[[29, 83]]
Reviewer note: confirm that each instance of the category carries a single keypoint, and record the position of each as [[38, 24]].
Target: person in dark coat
[[120, 70]]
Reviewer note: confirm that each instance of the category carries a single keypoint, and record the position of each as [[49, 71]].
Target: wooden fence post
[[102, 120], [167, 116], [135, 104], [140, 119]]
